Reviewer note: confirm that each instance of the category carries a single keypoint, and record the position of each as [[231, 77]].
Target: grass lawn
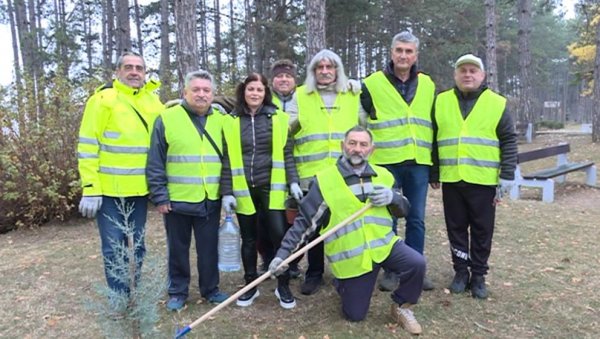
[[543, 278]]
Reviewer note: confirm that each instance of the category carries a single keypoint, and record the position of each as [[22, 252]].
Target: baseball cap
[[469, 59]]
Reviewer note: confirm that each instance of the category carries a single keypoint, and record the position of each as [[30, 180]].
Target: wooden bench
[[544, 178]]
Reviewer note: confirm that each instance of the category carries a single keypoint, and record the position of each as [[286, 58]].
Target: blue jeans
[[414, 182], [111, 235]]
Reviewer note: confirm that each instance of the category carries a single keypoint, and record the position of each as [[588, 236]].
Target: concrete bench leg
[[590, 174], [515, 192], [547, 190]]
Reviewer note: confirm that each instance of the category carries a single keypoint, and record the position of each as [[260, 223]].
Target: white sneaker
[[404, 317]]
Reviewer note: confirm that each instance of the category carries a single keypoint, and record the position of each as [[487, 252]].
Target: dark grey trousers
[[404, 261]]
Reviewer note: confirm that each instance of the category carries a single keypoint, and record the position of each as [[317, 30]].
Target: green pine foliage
[[134, 314]]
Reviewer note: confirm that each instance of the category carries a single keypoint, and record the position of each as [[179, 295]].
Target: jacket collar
[[123, 88], [347, 170], [469, 95], [268, 109], [191, 111], [389, 69]]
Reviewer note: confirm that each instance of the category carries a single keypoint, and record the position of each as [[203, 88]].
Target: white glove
[[89, 205], [354, 86], [229, 203], [295, 191], [274, 268], [381, 196], [505, 186]]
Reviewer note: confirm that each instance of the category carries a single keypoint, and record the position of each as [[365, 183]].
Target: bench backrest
[[543, 153]]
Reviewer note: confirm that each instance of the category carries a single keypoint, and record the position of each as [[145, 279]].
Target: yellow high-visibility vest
[[352, 250], [317, 144], [401, 131], [193, 165], [278, 190], [469, 149]]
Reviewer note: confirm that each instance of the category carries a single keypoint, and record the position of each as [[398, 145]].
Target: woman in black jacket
[[257, 166]]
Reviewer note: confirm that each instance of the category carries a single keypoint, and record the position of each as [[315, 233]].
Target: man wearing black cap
[[283, 73], [477, 151]]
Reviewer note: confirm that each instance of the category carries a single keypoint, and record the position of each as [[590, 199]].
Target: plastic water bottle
[[229, 246]]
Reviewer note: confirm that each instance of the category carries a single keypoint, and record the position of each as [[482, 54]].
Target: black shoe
[[311, 285], [389, 282], [285, 296], [428, 284], [478, 288], [247, 298], [294, 271], [460, 282]]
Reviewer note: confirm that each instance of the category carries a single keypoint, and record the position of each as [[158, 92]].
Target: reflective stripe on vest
[[278, 191], [469, 149], [401, 132], [193, 166], [317, 143], [354, 248]]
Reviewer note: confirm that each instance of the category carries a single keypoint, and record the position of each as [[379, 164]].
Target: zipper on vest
[[253, 151], [362, 189]]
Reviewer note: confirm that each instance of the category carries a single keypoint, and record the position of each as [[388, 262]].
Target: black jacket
[[257, 144], [505, 131], [156, 170], [314, 212]]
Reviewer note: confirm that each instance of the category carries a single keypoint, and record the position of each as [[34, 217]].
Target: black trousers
[[179, 229], [275, 223], [470, 216]]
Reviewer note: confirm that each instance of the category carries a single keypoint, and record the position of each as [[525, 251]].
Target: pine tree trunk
[[315, 27], [15, 44], [490, 28], [232, 45], [525, 93], [138, 27], [87, 31], [203, 36], [108, 35], [596, 108], [165, 52], [123, 33], [186, 38], [218, 47]]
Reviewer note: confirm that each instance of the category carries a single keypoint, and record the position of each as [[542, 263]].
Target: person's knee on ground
[[353, 315]]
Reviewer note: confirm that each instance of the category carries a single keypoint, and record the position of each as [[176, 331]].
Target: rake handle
[[267, 274]]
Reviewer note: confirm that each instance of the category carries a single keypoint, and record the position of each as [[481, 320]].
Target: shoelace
[[408, 315]]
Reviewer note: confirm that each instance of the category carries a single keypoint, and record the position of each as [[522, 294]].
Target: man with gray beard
[[321, 111]]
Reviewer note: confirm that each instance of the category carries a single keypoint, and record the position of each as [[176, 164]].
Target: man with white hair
[[321, 111], [477, 148]]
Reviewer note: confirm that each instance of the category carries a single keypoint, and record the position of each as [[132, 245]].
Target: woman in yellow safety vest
[[257, 166]]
